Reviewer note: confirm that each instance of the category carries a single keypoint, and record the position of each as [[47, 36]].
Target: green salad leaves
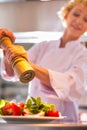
[[36, 105]]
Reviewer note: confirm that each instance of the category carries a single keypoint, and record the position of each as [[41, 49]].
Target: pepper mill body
[[20, 65]]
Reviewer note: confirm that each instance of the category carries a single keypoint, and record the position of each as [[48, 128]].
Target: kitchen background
[[31, 21]]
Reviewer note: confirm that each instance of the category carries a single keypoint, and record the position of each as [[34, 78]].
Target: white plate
[[30, 119]]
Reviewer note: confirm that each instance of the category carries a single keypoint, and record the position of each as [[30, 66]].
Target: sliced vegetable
[[3, 103], [11, 109]]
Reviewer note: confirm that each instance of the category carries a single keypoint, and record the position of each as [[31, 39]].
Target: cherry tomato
[[53, 113], [11, 109], [7, 109]]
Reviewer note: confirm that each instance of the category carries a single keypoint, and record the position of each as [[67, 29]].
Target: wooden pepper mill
[[20, 65]]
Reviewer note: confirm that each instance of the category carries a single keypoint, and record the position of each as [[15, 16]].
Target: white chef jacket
[[67, 69]]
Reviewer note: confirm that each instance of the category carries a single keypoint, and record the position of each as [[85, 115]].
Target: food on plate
[[53, 113], [33, 106]]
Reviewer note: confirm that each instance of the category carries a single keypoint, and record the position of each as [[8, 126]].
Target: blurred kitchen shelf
[[28, 39], [35, 36], [13, 90], [39, 36]]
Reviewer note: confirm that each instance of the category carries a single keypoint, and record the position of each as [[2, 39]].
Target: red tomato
[[21, 104], [16, 109], [7, 109], [11, 109], [53, 113]]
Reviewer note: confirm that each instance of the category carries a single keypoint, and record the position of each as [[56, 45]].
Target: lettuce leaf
[[36, 105]]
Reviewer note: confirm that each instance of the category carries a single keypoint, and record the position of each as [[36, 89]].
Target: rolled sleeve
[[68, 85]]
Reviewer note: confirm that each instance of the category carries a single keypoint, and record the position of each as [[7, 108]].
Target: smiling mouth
[[75, 27]]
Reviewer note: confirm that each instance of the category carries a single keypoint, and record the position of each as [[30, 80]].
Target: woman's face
[[76, 21]]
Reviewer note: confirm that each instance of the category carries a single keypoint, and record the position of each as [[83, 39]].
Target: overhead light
[[11, 0], [44, 0]]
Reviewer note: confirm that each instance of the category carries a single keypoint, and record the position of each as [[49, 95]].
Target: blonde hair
[[66, 9]]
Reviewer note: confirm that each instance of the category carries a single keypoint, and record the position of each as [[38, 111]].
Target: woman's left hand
[[6, 33], [15, 50]]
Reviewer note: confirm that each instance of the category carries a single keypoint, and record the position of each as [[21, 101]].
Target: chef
[[60, 65]]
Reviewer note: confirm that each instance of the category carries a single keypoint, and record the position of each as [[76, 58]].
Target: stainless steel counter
[[60, 126], [42, 126]]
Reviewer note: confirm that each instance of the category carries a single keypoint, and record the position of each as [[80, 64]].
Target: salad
[[33, 106]]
